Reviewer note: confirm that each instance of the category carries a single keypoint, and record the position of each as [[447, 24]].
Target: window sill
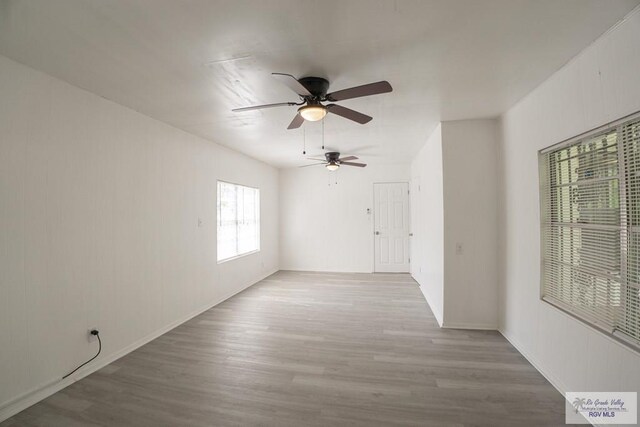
[[222, 261]]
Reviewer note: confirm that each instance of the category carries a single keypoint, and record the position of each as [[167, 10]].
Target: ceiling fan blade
[[348, 113], [292, 83], [314, 158], [259, 107], [359, 91], [312, 164], [343, 159], [360, 165], [297, 121]]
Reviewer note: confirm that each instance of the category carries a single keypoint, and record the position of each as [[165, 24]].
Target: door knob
[[377, 233]]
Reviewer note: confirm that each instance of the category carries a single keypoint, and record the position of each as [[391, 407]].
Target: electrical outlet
[[90, 336]]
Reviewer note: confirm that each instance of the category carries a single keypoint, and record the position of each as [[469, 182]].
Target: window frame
[[615, 334], [258, 221]]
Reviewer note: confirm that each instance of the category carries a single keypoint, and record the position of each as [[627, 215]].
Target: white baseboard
[[321, 270], [559, 385], [44, 390], [477, 326]]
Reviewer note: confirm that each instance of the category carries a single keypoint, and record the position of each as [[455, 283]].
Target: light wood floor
[[313, 349]]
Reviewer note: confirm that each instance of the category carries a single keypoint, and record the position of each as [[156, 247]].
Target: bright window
[[590, 227], [238, 220]]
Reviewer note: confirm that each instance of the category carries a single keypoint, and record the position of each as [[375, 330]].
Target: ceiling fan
[[332, 161], [313, 92]]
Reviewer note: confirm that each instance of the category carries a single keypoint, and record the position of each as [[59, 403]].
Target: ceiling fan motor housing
[[316, 85], [332, 156]]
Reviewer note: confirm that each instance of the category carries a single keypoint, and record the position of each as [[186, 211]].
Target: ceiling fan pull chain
[[323, 134], [304, 141]]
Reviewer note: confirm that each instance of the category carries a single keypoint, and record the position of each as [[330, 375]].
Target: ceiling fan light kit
[[333, 166], [312, 113]]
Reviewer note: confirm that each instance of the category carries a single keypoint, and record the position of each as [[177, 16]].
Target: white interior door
[[391, 227]]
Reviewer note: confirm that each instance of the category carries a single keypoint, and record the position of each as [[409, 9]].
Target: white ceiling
[[188, 63]]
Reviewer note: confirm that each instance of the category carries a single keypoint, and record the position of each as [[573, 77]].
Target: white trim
[[231, 258], [555, 382], [477, 326], [559, 385], [331, 270], [46, 389]]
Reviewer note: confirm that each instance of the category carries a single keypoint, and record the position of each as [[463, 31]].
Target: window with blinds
[[238, 220], [590, 227]]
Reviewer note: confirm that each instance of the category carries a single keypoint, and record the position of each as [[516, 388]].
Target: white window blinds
[[590, 227], [238, 220]]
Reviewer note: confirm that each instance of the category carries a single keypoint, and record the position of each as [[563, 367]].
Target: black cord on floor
[[97, 334]]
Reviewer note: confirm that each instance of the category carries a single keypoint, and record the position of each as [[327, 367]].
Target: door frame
[[373, 222]]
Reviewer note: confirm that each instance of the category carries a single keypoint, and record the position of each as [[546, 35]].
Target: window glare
[[238, 220]]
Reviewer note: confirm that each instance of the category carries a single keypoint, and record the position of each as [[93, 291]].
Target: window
[[238, 220], [590, 227]]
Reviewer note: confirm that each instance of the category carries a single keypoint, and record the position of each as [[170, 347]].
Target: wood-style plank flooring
[[312, 349]]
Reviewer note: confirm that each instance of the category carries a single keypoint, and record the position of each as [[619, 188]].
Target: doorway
[[391, 227]]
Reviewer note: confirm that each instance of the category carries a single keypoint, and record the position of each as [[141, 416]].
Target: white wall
[[427, 222], [99, 209], [469, 158], [325, 226], [600, 85]]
